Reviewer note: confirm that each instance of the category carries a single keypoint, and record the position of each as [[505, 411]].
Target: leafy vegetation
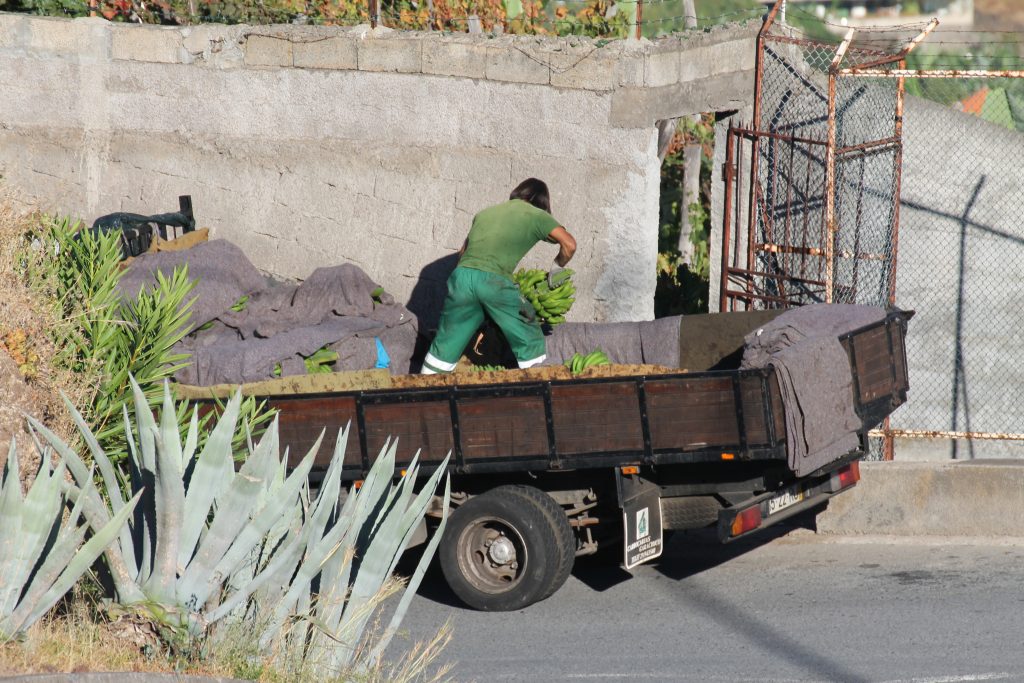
[[103, 337], [597, 18], [682, 285], [187, 580], [998, 100]]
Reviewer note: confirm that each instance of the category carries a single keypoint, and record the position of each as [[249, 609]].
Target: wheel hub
[[501, 551]]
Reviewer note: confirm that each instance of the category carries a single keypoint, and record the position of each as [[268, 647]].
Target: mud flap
[[642, 530]]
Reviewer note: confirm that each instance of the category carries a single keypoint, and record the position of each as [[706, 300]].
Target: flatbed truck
[[545, 471]]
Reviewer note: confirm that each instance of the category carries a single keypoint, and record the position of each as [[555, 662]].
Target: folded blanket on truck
[[815, 379], [246, 328], [652, 342]]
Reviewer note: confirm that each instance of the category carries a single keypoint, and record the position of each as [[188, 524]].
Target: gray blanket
[[659, 341], [814, 375], [221, 272], [279, 324], [619, 341], [653, 342]]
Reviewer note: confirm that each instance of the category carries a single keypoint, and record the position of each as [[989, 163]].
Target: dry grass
[[79, 642], [84, 642], [26, 318]]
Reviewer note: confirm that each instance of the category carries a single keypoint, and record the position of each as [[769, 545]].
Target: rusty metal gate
[[812, 186], [812, 213]]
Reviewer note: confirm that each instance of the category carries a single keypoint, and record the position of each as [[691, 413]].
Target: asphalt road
[[794, 607]]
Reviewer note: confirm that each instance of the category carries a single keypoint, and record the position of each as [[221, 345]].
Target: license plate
[[783, 501]]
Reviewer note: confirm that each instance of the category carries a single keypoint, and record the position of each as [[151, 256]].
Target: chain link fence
[[875, 174], [961, 251], [823, 162]]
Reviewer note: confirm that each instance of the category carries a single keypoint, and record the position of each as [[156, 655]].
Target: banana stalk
[[550, 301]]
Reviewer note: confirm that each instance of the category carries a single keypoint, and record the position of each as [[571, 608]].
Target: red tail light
[[848, 476], [746, 521]]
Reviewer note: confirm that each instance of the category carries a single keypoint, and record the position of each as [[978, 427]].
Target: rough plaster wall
[[310, 146]]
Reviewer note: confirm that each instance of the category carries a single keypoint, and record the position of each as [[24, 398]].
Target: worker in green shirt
[[482, 281]]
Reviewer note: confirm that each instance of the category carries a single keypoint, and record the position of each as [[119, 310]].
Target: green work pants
[[472, 294]]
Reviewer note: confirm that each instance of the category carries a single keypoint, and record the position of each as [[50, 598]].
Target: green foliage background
[[682, 288]]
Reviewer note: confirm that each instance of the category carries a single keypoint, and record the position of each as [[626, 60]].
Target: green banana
[[552, 300], [320, 361], [579, 362]]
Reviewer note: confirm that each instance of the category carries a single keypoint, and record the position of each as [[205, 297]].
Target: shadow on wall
[[976, 259], [426, 300]]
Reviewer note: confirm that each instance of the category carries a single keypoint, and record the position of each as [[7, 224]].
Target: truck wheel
[[560, 524], [507, 548]]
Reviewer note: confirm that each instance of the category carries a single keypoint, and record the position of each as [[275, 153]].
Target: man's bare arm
[[566, 245]]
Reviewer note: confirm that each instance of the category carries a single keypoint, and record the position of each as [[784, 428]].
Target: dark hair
[[534, 192]]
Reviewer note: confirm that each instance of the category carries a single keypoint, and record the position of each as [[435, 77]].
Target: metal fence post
[[830, 169]]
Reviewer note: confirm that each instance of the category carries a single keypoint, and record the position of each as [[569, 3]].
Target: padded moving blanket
[[813, 370], [279, 324]]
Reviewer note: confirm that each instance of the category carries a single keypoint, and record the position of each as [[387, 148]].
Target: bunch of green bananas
[[319, 363], [551, 301], [488, 368], [578, 363]]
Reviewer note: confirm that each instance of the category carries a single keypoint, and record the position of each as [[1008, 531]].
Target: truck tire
[[506, 549], [560, 524]]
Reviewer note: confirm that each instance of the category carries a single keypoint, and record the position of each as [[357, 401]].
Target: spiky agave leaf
[[95, 509], [412, 586], [380, 527], [201, 523], [384, 549], [42, 553]]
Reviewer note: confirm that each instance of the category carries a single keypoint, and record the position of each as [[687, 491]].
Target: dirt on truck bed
[[372, 380], [549, 373]]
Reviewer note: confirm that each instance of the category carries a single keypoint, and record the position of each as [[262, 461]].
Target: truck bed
[[688, 417]]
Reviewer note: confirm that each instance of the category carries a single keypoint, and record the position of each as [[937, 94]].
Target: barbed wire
[[795, 9]]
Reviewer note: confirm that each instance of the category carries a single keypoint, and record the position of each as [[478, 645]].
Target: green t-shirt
[[502, 234]]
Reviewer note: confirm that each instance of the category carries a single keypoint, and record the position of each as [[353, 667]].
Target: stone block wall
[[311, 146]]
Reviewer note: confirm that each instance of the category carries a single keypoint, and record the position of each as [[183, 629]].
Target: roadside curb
[[977, 498]]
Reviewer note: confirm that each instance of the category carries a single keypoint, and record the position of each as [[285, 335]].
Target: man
[[482, 283]]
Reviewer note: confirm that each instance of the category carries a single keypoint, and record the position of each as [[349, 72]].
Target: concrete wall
[[311, 146]]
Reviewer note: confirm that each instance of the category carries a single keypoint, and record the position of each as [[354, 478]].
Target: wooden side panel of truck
[[689, 417]]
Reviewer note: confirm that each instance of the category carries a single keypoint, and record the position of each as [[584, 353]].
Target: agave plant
[[42, 552], [351, 554], [207, 541]]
